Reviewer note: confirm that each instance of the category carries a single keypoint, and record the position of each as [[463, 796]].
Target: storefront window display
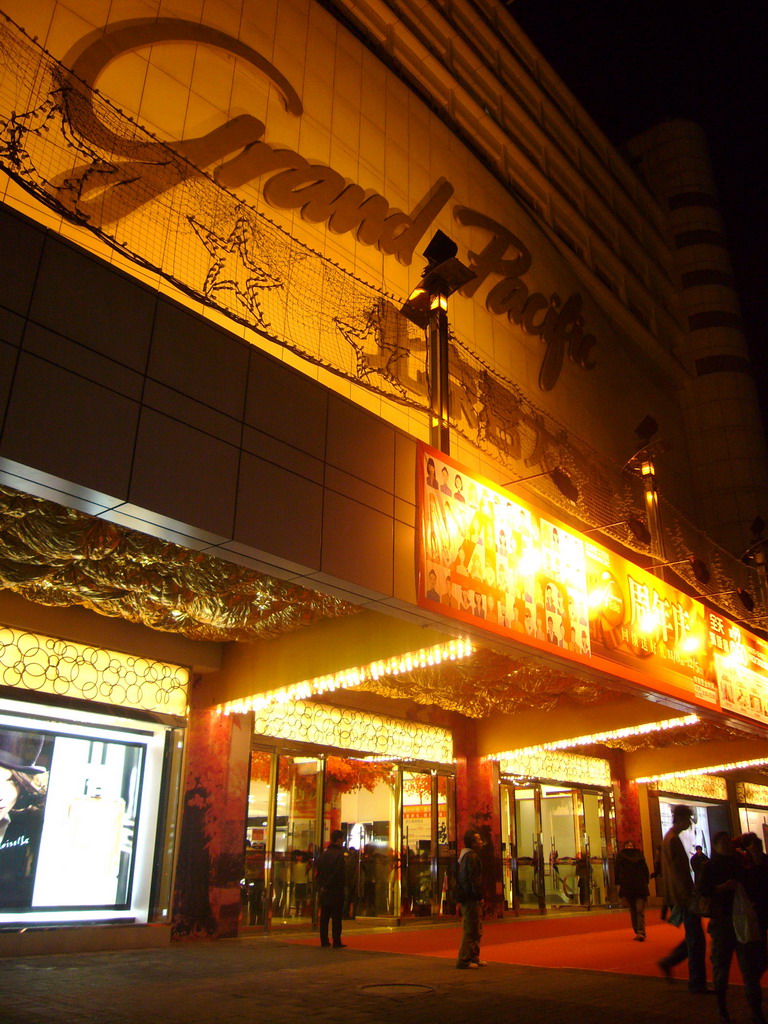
[[79, 803], [753, 809], [755, 819], [708, 820]]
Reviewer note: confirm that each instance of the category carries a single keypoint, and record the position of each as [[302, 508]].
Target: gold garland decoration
[[702, 732], [59, 557], [489, 683]]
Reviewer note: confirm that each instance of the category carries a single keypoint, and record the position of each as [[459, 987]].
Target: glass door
[[360, 800], [508, 847], [446, 842], [559, 816], [419, 834], [299, 785], [529, 848], [253, 910]]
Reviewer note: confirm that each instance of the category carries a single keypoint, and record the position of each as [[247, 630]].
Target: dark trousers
[[331, 910], [693, 948], [751, 958], [471, 932], [636, 906]]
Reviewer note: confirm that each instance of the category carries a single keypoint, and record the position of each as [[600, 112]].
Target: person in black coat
[[469, 886], [632, 877], [331, 871], [719, 880]]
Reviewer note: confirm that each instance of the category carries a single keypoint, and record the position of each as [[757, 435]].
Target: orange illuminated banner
[[647, 626], [490, 559], [741, 665]]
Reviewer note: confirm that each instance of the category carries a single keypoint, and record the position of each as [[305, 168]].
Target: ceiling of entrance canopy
[[489, 682], [57, 556]]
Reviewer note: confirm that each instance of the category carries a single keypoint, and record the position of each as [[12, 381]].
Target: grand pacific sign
[[239, 154]]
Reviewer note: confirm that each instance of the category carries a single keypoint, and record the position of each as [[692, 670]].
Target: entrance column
[[628, 825], [478, 806], [210, 864]]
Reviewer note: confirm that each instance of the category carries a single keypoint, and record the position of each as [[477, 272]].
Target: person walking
[[469, 894], [632, 877], [678, 887], [331, 871], [719, 880]]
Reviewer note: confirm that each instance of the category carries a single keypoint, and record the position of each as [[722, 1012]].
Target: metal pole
[[654, 516], [438, 374]]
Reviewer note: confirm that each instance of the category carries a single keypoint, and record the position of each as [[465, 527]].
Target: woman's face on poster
[[9, 792]]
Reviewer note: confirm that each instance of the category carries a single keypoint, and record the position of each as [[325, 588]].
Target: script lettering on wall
[[560, 325], [120, 170], [319, 193]]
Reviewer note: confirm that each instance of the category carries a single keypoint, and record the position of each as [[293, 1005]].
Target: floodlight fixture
[[636, 527], [559, 478], [699, 569], [743, 595], [646, 429]]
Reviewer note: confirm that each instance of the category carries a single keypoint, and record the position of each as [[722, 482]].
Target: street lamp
[[427, 307]]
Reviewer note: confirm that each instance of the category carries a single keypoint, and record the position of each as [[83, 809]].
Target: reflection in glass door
[[418, 828], [360, 800], [299, 785], [253, 885], [446, 842], [595, 846], [530, 873], [556, 846], [399, 833], [559, 816], [508, 848]]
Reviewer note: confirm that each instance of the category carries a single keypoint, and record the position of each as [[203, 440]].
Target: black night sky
[[634, 63]]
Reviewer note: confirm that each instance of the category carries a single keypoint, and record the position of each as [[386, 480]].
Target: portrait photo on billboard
[[24, 773]]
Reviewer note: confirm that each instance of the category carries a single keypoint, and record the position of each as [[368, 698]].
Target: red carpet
[[588, 942]]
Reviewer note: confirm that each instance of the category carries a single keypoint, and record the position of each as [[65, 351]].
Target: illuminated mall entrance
[[399, 827], [557, 845]]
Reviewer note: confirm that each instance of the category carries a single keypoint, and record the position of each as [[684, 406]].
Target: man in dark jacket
[[632, 878], [331, 880], [469, 882]]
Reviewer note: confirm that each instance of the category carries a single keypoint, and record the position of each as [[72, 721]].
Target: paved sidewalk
[[250, 980]]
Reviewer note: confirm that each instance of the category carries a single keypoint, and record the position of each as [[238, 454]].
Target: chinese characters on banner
[[741, 664], [490, 559], [645, 625]]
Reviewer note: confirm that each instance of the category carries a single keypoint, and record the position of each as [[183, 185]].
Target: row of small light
[[712, 769], [598, 737], [454, 650]]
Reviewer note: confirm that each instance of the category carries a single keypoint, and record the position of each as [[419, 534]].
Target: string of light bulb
[[598, 737], [351, 678], [712, 769]]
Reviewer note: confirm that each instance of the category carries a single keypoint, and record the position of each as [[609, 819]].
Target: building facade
[[301, 533]]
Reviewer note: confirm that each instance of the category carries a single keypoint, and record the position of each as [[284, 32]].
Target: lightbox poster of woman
[[23, 787]]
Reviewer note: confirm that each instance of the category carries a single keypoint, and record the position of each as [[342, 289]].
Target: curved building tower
[[727, 445]]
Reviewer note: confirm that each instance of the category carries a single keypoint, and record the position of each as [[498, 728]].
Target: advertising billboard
[[490, 559]]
